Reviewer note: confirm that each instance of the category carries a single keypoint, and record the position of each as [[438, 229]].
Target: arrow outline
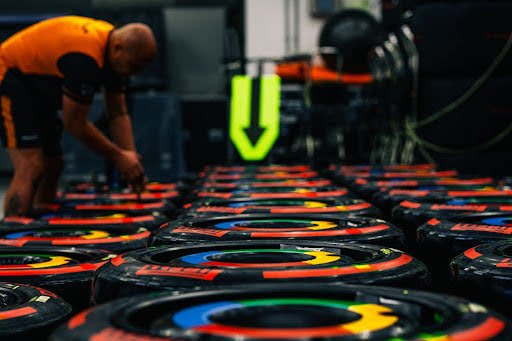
[[241, 116]]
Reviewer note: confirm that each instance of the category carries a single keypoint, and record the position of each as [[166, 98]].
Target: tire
[[257, 184], [468, 45], [100, 207], [210, 265], [364, 188], [456, 234], [409, 214], [110, 207], [490, 100], [260, 176], [299, 227], [439, 240], [253, 169], [65, 271], [350, 179], [484, 273], [340, 207], [367, 189], [288, 312], [103, 187], [114, 239], [506, 182], [29, 313], [346, 169], [173, 196], [88, 219], [272, 193], [387, 199]]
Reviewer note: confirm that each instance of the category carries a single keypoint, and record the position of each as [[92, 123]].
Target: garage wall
[[265, 22], [277, 28], [194, 39]]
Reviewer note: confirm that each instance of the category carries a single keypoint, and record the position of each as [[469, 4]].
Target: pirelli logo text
[[483, 228], [208, 232], [220, 209], [176, 271], [478, 208]]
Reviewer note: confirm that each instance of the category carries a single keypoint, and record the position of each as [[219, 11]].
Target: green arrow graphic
[[254, 116]]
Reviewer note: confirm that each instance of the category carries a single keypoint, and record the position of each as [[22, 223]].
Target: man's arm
[[119, 122], [76, 122]]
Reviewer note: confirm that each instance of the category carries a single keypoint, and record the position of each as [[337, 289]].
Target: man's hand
[[128, 163], [138, 186]]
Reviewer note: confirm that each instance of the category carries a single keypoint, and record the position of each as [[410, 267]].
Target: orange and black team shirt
[[64, 54]]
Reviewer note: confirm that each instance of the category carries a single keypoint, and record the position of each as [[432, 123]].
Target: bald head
[[133, 43]]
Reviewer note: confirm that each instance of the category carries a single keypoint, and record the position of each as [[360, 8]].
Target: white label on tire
[[42, 299]]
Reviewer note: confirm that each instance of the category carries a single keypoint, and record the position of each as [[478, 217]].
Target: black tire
[[208, 265], [260, 176], [274, 184], [346, 169], [173, 196], [439, 240], [103, 207], [270, 193], [328, 228], [341, 207], [288, 312], [351, 180], [468, 47], [337, 171], [387, 199], [65, 271], [103, 187], [484, 273], [410, 214], [116, 239], [452, 236], [82, 219], [254, 169], [367, 189], [506, 182], [29, 313]]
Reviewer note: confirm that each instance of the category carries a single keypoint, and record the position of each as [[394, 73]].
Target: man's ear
[[117, 46]]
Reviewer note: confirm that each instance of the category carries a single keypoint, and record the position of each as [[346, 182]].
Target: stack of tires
[[445, 220], [260, 252], [361, 178], [388, 197], [458, 52], [160, 195], [48, 259]]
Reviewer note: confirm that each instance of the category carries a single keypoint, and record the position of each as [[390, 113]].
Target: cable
[[446, 150], [464, 97], [409, 131], [423, 145]]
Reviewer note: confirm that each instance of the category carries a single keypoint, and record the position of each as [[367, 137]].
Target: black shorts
[[26, 120]]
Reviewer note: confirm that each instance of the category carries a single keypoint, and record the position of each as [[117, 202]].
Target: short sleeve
[[82, 76], [114, 82]]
